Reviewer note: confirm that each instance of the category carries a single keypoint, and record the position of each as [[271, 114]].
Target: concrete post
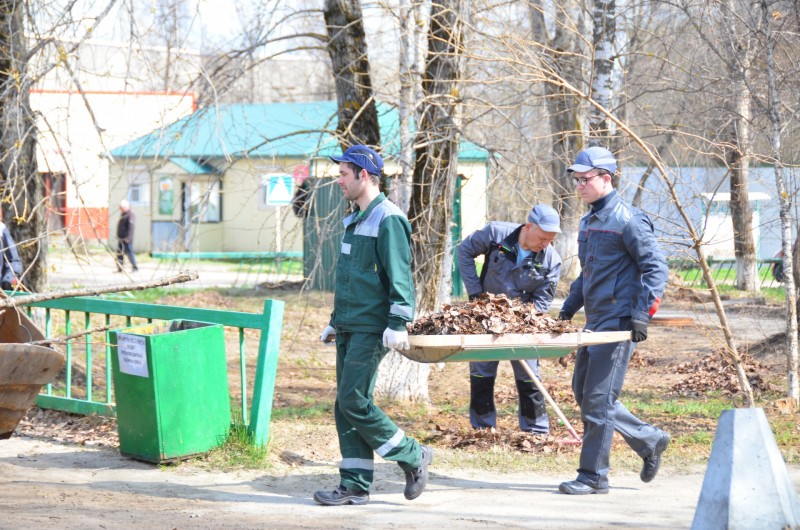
[[747, 484]]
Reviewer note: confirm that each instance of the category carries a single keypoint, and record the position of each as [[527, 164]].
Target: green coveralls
[[374, 290]]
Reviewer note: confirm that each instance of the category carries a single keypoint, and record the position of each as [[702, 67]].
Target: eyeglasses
[[582, 181]]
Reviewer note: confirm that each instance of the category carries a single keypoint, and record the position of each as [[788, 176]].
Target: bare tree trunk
[[406, 103], [741, 213], [24, 206], [738, 153], [435, 171], [347, 47], [603, 34], [602, 131], [785, 214], [566, 117]]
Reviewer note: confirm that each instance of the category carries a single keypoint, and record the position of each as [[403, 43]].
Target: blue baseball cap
[[363, 157], [546, 217], [594, 157]]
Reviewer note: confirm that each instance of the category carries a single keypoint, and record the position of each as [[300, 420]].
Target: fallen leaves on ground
[[484, 439], [62, 427], [489, 314], [713, 372]]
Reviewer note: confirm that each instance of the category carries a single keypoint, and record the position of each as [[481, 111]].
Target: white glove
[[328, 335], [396, 340]]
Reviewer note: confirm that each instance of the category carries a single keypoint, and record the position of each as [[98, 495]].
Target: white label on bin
[[132, 354]]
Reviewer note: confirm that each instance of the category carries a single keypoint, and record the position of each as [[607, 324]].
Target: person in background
[[11, 269], [519, 261], [125, 229], [373, 302], [622, 279]]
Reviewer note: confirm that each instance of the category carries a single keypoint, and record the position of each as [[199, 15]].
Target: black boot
[[341, 496]]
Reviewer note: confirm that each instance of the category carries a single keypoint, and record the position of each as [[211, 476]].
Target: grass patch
[[649, 406], [239, 451], [313, 411]]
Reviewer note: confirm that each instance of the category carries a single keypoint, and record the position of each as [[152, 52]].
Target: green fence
[[88, 395], [724, 272]]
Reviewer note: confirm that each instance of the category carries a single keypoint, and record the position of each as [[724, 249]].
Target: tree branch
[[17, 301]]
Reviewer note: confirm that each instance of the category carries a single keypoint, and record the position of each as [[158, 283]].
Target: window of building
[[203, 201], [139, 186]]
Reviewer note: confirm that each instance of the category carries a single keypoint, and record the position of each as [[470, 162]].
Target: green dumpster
[[171, 388]]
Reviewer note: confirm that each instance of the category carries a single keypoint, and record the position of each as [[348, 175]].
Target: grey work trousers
[[532, 414], [597, 383]]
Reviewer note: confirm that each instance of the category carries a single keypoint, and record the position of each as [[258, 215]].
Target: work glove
[[475, 296], [563, 316], [328, 335], [638, 331], [396, 340]]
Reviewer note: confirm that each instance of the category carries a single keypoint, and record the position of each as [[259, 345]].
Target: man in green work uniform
[[373, 301]]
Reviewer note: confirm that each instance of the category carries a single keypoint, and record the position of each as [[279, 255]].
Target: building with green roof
[[221, 180]]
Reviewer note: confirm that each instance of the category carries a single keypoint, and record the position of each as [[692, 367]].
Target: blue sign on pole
[[279, 190]]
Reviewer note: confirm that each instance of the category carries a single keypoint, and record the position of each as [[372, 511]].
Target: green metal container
[[171, 388]]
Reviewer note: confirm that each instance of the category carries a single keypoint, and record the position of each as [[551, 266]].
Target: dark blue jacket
[[623, 273], [12, 265]]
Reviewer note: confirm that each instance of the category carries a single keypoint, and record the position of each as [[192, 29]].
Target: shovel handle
[[549, 399]]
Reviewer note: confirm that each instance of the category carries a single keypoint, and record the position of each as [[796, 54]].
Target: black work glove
[[475, 296], [638, 330], [563, 316]]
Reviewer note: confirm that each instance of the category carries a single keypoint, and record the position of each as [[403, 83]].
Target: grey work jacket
[[534, 280], [623, 272]]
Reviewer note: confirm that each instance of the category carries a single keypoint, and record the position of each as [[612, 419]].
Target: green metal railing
[[268, 324], [724, 271]]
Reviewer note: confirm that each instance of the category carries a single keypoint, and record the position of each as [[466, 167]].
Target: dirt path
[[45, 485], [48, 485]]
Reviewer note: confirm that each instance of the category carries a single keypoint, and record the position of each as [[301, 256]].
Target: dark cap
[[594, 157], [546, 217], [363, 157]]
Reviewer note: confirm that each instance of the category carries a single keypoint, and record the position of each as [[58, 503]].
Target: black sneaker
[[417, 480], [340, 496], [653, 462]]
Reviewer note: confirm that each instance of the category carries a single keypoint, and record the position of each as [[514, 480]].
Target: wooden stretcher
[[24, 368], [510, 347]]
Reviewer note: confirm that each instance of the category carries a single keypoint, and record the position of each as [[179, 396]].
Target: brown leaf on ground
[[66, 428], [484, 439], [785, 406], [489, 313], [713, 372]]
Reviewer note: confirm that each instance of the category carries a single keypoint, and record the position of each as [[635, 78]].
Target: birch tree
[[774, 111]]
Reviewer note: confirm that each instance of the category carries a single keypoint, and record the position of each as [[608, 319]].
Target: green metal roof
[[192, 167], [300, 130]]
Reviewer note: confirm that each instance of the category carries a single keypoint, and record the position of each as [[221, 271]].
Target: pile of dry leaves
[[713, 372], [484, 439], [93, 431], [489, 313]]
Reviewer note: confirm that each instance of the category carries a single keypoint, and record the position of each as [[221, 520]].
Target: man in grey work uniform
[[373, 301], [622, 279], [518, 261]]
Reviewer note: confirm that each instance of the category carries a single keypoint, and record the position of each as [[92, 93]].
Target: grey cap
[[594, 157], [546, 218]]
